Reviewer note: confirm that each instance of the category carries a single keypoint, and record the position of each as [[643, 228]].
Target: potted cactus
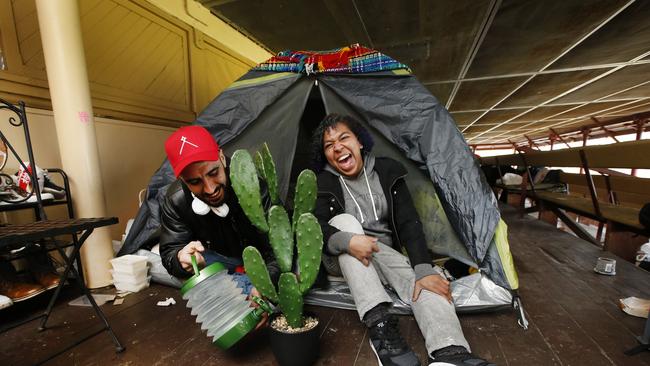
[[294, 336]]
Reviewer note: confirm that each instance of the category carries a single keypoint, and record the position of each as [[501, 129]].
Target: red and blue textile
[[354, 59]]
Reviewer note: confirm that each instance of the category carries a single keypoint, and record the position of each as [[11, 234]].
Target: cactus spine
[[308, 234]]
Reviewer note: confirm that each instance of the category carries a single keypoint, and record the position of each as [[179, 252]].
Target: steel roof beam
[[566, 51], [478, 40], [542, 72]]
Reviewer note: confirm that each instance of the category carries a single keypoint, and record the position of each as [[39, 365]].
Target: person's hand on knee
[[434, 283], [361, 247], [185, 255]]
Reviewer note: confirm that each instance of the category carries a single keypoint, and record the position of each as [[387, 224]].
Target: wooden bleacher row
[[612, 199]]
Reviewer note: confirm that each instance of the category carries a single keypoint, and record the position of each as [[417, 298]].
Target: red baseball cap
[[190, 144]]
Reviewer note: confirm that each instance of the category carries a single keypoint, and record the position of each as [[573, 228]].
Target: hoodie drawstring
[[372, 200]]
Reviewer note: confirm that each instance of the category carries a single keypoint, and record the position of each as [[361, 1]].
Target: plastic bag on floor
[[473, 293]]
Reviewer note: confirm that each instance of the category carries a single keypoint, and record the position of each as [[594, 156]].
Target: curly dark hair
[[318, 155]]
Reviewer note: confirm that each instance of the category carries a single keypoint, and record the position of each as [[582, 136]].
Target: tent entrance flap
[[440, 235], [278, 125], [413, 120], [313, 114]]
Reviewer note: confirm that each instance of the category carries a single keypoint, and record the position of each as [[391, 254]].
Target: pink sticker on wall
[[84, 117]]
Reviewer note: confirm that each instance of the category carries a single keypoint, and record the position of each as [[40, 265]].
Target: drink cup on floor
[[606, 266]]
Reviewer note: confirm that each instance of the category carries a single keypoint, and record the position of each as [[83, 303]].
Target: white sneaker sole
[[5, 302], [379, 360], [375, 352]]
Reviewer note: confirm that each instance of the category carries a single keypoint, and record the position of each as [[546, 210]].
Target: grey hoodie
[[364, 199]]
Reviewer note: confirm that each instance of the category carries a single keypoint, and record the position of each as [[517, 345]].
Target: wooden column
[[60, 31]]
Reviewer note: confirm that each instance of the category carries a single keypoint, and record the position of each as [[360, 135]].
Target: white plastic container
[[136, 278], [132, 287], [131, 264]]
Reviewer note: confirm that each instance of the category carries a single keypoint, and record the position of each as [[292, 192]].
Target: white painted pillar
[[75, 127]]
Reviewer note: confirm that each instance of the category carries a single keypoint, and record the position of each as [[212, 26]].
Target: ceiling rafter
[[484, 52], [567, 92], [582, 118], [562, 54], [363, 24], [581, 121], [611, 127], [478, 40], [577, 118], [585, 116], [602, 126], [568, 104], [542, 72]]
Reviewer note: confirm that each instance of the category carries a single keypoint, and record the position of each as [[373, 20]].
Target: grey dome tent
[[456, 205]]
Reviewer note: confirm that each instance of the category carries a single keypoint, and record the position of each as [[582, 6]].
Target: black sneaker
[[388, 345], [459, 359]]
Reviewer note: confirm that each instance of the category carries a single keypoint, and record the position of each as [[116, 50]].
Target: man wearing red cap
[[200, 214]]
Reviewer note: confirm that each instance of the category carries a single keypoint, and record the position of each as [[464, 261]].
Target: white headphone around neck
[[201, 208]]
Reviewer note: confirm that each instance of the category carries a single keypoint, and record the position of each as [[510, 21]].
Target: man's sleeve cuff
[[339, 242]]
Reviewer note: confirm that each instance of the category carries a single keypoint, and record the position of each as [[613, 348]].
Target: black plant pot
[[295, 349]]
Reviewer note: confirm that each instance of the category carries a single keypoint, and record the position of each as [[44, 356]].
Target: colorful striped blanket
[[354, 59]]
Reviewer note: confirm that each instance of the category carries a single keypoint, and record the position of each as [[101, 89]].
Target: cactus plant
[[304, 228], [244, 182]]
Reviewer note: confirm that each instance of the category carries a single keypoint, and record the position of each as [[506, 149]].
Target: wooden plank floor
[[573, 314]]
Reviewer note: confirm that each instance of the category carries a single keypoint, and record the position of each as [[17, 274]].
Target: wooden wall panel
[[214, 69], [29, 38], [137, 57], [143, 64], [23, 76]]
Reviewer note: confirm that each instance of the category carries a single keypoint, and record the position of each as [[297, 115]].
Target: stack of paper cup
[[130, 273]]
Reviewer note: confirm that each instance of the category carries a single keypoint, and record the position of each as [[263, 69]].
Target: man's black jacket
[[227, 236]]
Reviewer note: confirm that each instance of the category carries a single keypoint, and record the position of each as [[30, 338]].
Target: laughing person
[[200, 214], [367, 216]]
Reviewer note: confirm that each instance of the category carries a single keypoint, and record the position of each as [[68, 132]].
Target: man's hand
[[185, 255], [265, 316], [434, 283], [361, 247]]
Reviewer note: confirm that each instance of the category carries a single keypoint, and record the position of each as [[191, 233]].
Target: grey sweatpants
[[435, 316]]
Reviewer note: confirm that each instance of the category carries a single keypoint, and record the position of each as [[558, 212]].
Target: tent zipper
[[392, 209]]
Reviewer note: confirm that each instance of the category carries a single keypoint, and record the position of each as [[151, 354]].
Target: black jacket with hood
[[405, 223], [227, 236]]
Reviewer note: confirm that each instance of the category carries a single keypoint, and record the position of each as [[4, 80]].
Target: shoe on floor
[[459, 359], [19, 291], [5, 302], [47, 279], [42, 269], [389, 346]]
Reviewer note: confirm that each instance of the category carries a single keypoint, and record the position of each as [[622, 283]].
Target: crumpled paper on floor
[[635, 306], [167, 302]]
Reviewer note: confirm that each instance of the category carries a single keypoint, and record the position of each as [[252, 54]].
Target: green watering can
[[220, 306]]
